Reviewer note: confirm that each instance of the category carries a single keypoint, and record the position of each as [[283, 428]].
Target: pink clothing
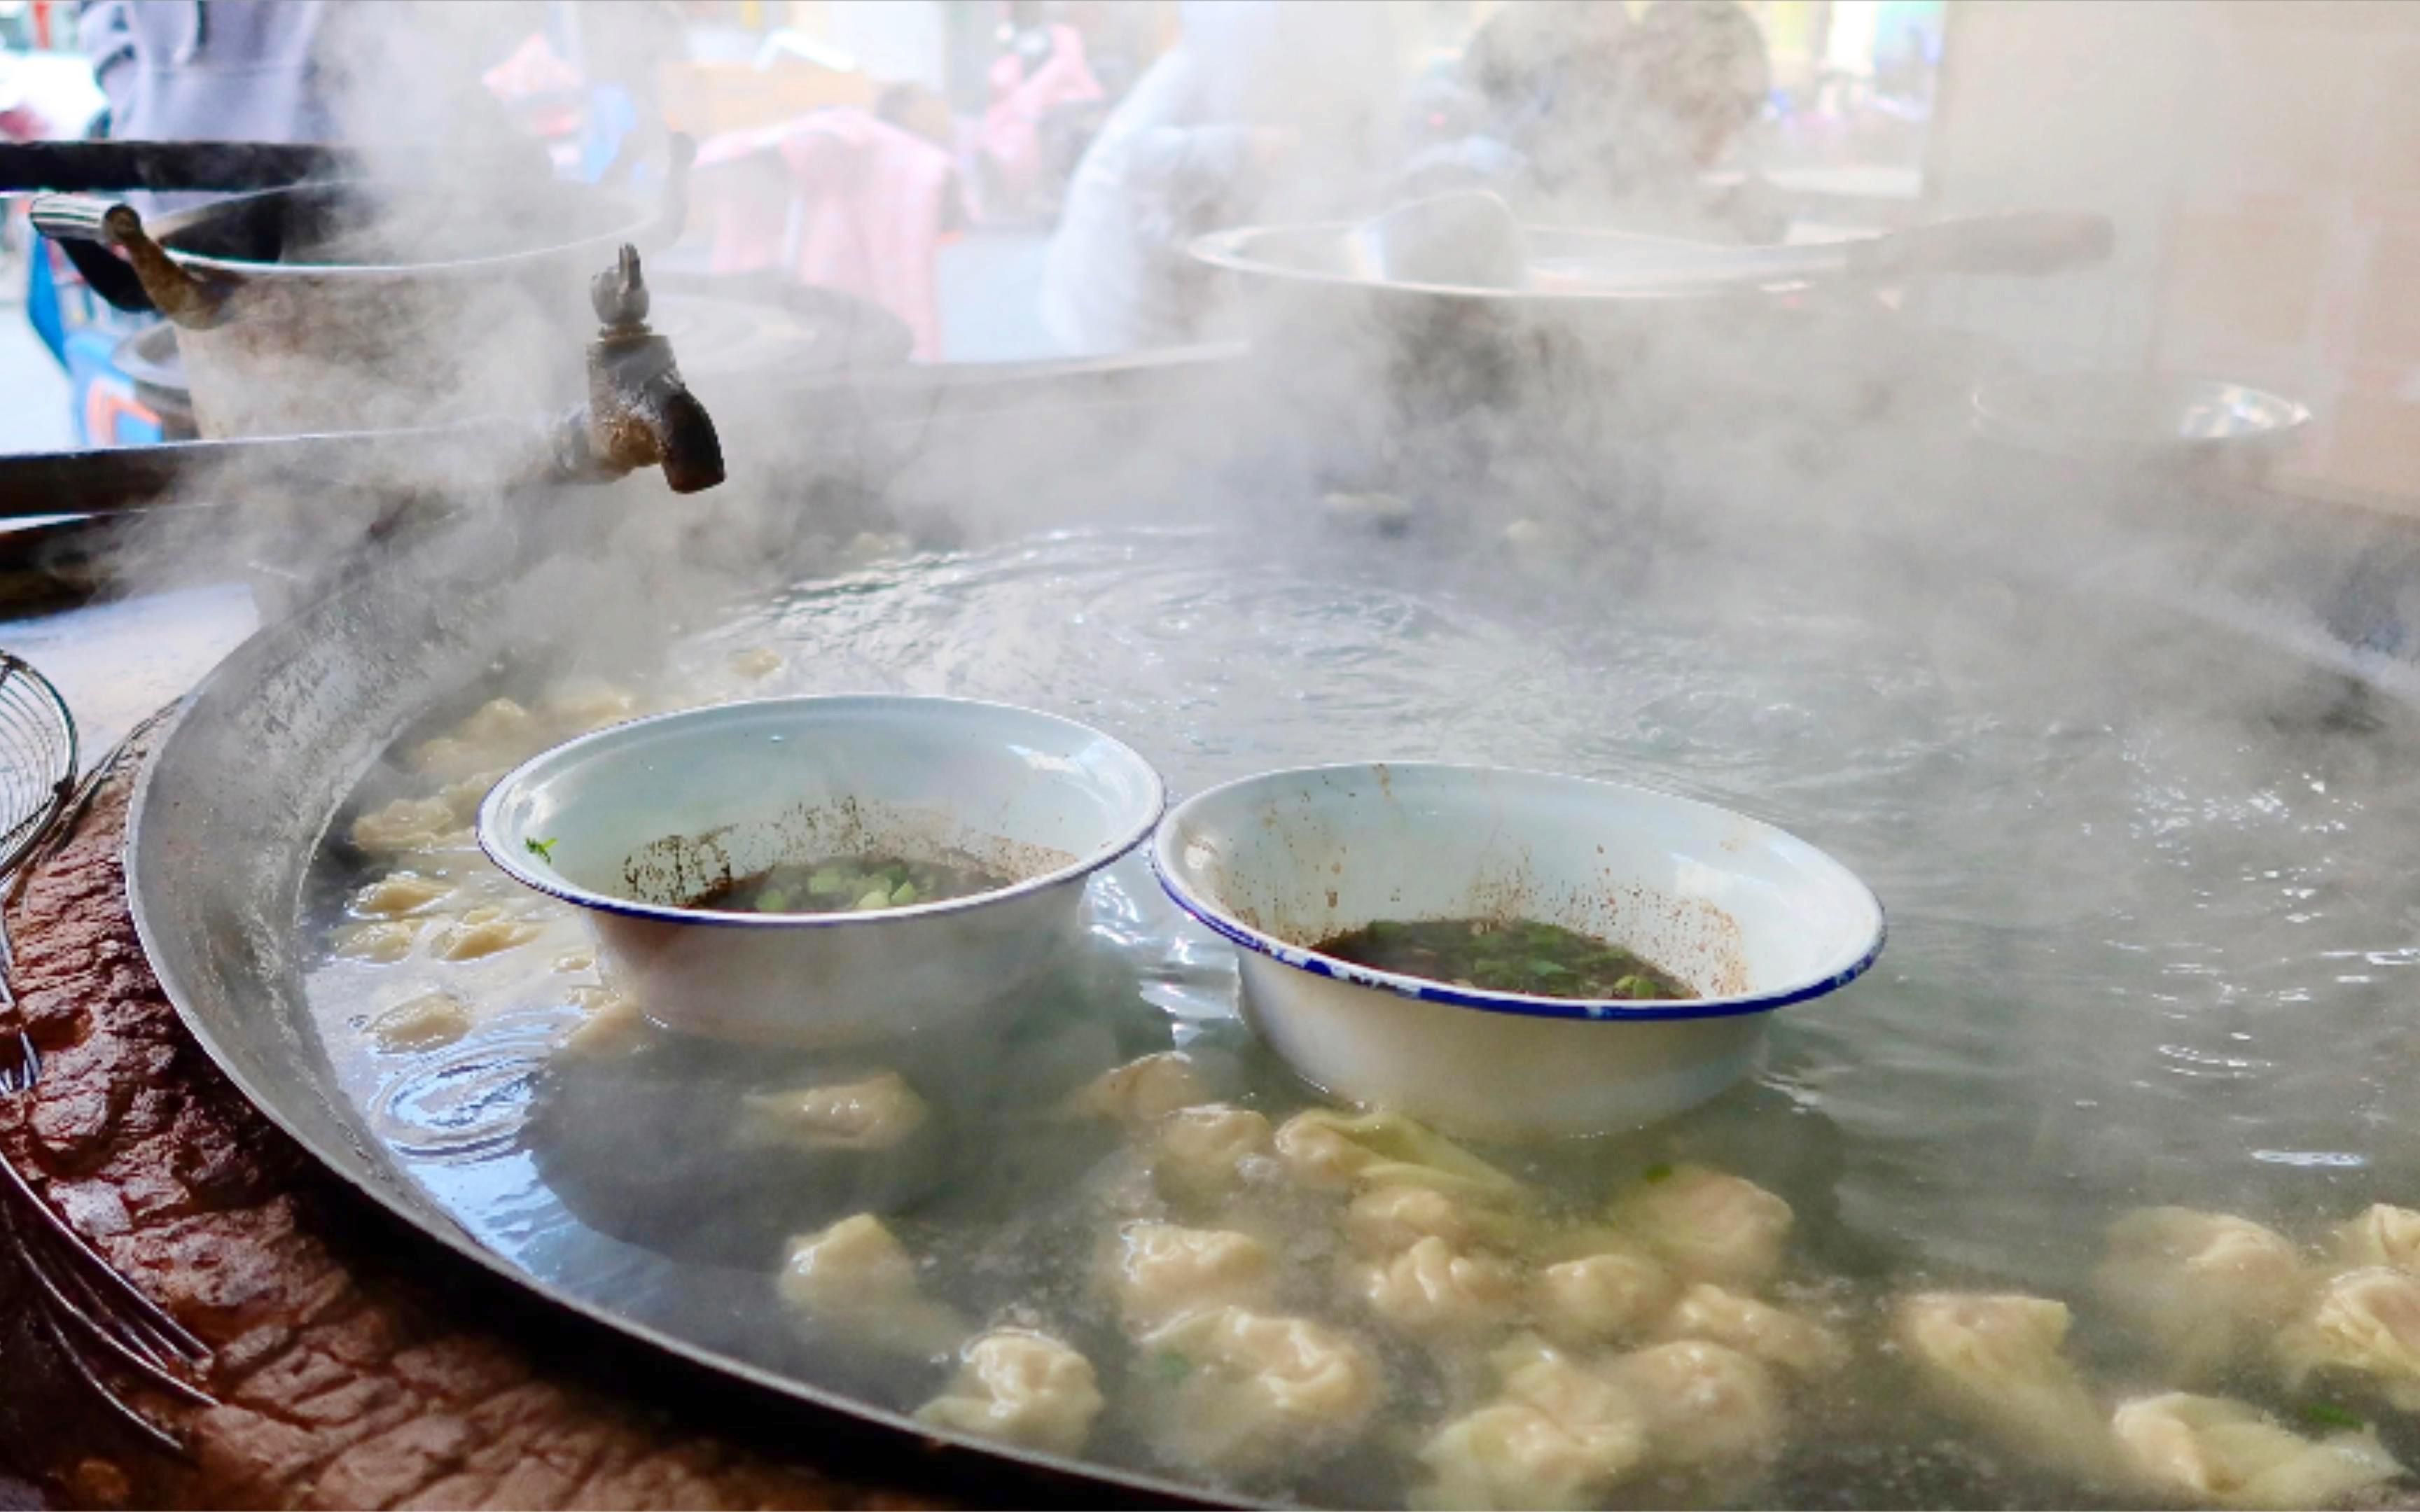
[[1012, 129], [838, 199]]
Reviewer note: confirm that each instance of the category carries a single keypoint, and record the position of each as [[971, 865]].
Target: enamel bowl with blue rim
[[636, 823], [1750, 918]]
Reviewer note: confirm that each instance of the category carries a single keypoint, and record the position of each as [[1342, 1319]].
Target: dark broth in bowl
[[847, 885], [1541, 960]]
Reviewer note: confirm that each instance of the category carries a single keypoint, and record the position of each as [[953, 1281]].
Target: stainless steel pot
[[1602, 329], [359, 304]]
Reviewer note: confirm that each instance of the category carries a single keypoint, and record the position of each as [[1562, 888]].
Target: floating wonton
[[2366, 1322], [1708, 1225], [1020, 1387], [1709, 1409], [423, 1023], [398, 893], [1612, 1289], [1198, 1154], [1162, 1272], [2200, 1286], [1431, 1289], [481, 933], [462, 798], [1997, 1363], [1144, 1090], [874, 1113], [1511, 1456], [2214, 1451], [580, 704], [2383, 1235], [1756, 1328], [384, 943], [1563, 1435], [613, 1026], [858, 1280], [1341, 1151], [1240, 1391], [406, 825]]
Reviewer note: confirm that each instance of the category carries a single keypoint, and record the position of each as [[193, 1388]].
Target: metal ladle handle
[[150, 281]]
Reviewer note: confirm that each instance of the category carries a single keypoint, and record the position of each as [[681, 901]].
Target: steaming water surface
[[2151, 912]]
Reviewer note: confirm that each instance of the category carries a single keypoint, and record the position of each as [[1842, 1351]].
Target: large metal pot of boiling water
[[1447, 311], [358, 305]]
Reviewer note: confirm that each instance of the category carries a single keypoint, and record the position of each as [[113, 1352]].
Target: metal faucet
[[639, 412]]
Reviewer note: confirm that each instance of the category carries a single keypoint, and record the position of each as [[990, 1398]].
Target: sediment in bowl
[[739, 786], [1746, 914]]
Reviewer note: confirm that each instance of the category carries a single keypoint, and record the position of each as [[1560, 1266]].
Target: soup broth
[[847, 885], [1523, 956]]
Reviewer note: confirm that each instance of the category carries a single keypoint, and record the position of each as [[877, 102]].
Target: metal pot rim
[[640, 220]]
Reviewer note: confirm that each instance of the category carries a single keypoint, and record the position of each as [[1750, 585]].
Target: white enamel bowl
[[1748, 916], [632, 820]]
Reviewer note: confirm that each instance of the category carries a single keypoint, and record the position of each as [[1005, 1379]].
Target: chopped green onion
[[1660, 1171], [903, 894], [542, 848], [1170, 1365], [1636, 986], [876, 899], [2329, 1415]]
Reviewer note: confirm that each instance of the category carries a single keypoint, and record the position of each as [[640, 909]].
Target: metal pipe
[[166, 167]]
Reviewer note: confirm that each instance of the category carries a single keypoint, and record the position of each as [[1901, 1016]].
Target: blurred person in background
[[302, 70], [1579, 113], [1262, 111]]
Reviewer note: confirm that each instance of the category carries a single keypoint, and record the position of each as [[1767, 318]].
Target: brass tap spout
[[639, 412]]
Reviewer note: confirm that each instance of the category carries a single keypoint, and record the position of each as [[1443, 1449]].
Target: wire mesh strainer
[[37, 758]]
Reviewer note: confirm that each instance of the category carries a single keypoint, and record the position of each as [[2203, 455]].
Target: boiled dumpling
[[1239, 1391], [1997, 1363], [857, 1279], [385, 942], [1614, 1289], [876, 1113], [1510, 1454], [1562, 1436], [498, 734], [1391, 1219], [1756, 1328], [481, 933], [1589, 1400], [2383, 1235], [1388, 1220], [1022, 1388], [1341, 1151], [423, 1023], [2210, 1450], [2365, 1322], [1199, 1155], [1162, 1272], [398, 893], [1144, 1090], [406, 825], [1433, 1288], [579, 704], [614, 1026], [462, 798], [1708, 1409], [1708, 1225], [2200, 1286]]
